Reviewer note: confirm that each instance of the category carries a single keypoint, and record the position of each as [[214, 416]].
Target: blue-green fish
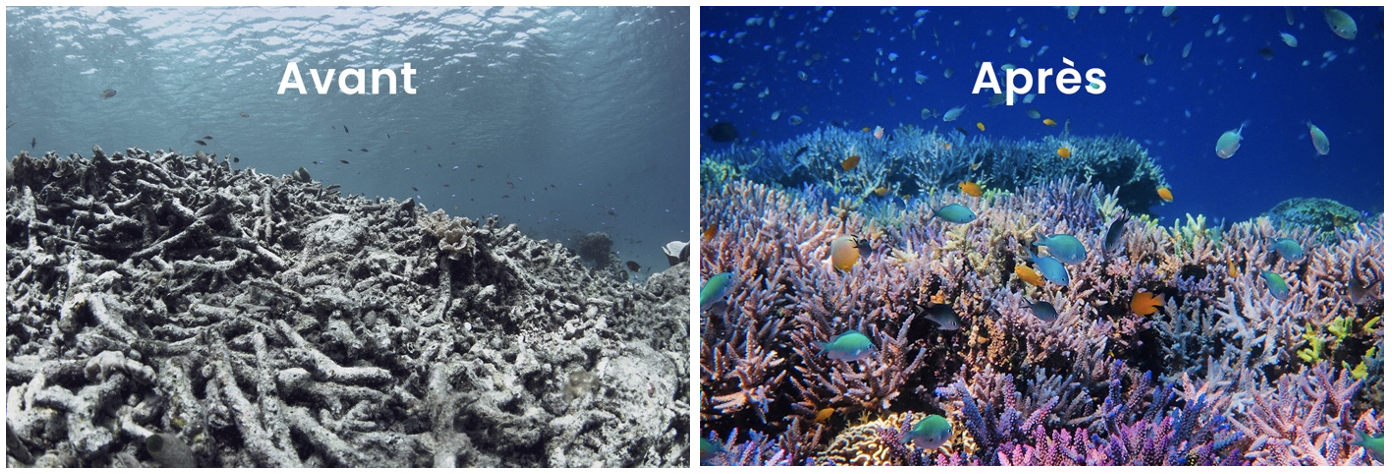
[[1065, 248], [850, 345], [1288, 248], [945, 316], [1051, 269], [1373, 445], [1276, 284], [716, 288], [955, 213], [1044, 311], [930, 433], [709, 449]]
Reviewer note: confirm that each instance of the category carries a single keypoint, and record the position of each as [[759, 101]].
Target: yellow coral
[[860, 445]]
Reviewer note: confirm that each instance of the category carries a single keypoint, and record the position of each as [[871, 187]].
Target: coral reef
[[1212, 377], [1326, 216], [270, 321]]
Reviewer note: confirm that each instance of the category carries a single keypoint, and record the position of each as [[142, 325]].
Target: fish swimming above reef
[[1115, 231], [1144, 303], [929, 433], [1051, 269], [846, 250], [1319, 139], [944, 316], [1341, 23], [1276, 284], [1064, 152], [953, 113], [1370, 443], [970, 188], [1288, 248], [849, 346], [1357, 291], [107, 94], [1050, 122], [1066, 248], [1044, 311], [1029, 275], [1289, 39], [716, 288], [1164, 194], [1229, 142], [955, 213], [850, 162], [201, 142], [722, 132], [710, 449]]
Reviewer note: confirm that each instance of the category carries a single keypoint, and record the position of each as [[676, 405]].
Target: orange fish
[[709, 233], [849, 163], [1050, 122], [865, 129], [1064, 152], [1145, 304], [1029, 275], [879, 132], [981, 126], [824, 414], [1165, 194], [1232, 269], [881, 191], [972, 189], [947, 146]]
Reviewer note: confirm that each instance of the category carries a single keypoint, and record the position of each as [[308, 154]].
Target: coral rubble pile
[[1162, 345], [168, 310]]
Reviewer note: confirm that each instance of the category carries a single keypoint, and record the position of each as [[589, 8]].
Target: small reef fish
[[1320, 140], [1115, 231], [944, 316], [879, 132], [823, 415], [715, 289], [1029, 275], [1370, 443], [849, 346], [846, 250], [970, 188], [1357, 292], [1044, 311], [929, 434], [1232, 268], [1144, 303], [1341, 23], [345, 129], [632, 266], [1276, 284], [1164, 193], [201, 142], [850, 162], [1064, 152], [1229, 142], [244, 114], [1050, 122], [981, 126], [1051, 269], [107, 94], [1032, 113], [881, 191], [709, 232], [1289, 39], [1066, 248], [1288, 248], [33, 141], [952, 114], [955, 213], [710, 449]]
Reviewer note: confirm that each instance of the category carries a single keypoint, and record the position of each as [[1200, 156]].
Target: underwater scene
[[1041, 236], [348, 237]]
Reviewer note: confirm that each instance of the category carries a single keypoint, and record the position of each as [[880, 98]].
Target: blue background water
[[592, 101], [1177, 107]]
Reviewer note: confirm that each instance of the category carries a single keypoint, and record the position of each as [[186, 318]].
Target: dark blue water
[[1177, 107], [564, 121]]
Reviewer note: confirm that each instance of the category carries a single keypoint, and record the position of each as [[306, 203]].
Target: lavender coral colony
[[169, 310], [868, 300]]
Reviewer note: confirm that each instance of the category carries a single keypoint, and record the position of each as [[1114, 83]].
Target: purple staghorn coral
[[1195, 383]]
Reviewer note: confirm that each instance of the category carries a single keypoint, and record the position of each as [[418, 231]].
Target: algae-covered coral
[[269, 321], [1224, 368]]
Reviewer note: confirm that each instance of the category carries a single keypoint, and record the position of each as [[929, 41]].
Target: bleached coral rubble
[[160, 303]]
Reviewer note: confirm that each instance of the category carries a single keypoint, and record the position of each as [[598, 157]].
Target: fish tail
[[823, 346]]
